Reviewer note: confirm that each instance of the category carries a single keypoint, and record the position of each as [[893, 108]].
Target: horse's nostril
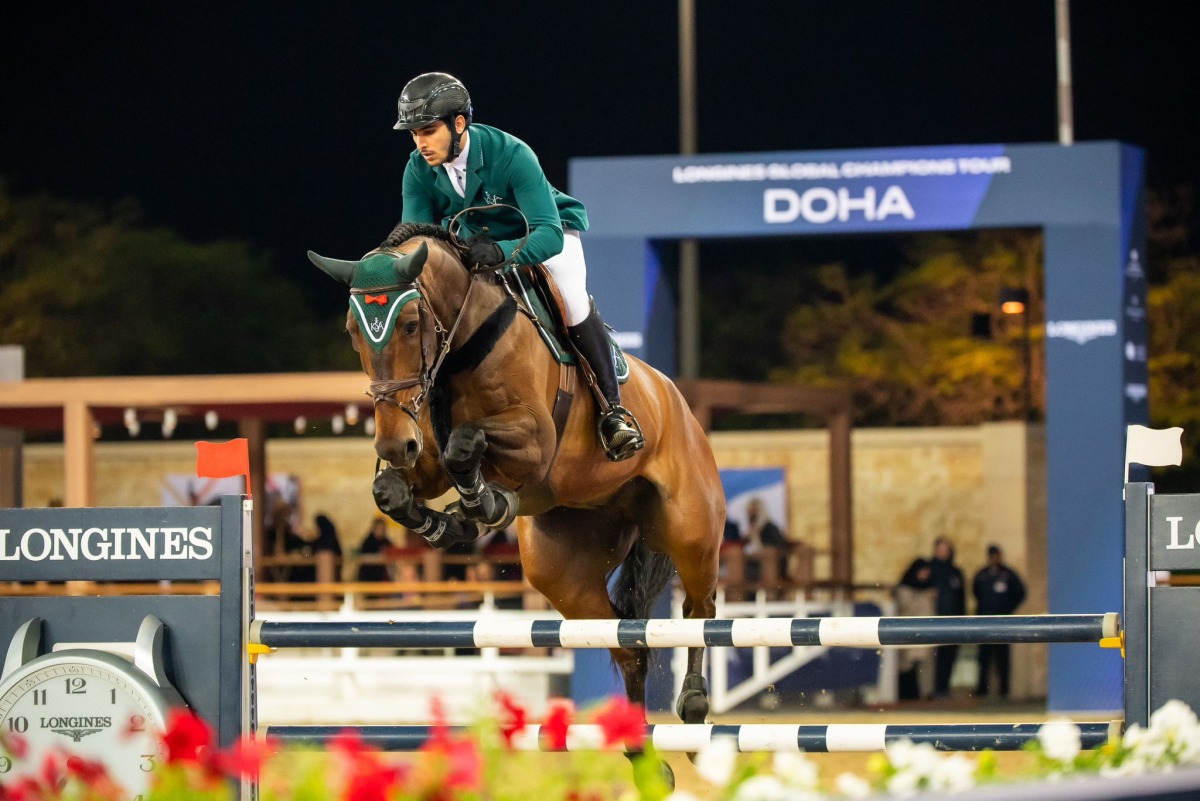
[[411, 449]]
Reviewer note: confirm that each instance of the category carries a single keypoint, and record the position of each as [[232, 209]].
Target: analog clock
[[88, 702]]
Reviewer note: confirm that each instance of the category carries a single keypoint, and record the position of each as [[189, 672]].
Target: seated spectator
[[375, 543]]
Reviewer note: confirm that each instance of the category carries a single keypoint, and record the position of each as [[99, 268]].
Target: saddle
[[538, 298], [535, 290]]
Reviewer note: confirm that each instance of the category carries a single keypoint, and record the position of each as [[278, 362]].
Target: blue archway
[[1089, 199]]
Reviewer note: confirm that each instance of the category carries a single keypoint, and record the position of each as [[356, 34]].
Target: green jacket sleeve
[[533, 197]]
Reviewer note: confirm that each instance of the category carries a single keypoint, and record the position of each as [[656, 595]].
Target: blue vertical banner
[[1088, 199]]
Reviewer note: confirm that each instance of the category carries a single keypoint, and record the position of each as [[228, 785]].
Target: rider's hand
[[483, 250]]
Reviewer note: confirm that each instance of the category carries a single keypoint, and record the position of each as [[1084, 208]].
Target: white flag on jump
[[1153, 447]]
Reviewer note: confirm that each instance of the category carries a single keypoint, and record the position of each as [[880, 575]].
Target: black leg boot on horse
[[488, 503], [620, 435], [395, 499]]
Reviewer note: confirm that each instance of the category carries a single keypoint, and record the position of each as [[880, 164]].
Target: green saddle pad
[[532, 297]]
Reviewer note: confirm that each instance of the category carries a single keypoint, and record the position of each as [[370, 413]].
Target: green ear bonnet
[[392, 274]]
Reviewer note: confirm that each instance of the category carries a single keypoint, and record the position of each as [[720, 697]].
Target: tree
[[905, 349], [90, 291]]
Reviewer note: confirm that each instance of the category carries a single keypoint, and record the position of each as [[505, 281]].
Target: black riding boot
[[620, 434]]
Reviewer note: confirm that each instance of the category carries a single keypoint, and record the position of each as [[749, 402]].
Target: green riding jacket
[[500, 169]]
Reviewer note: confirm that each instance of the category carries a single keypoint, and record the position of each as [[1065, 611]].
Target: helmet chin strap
[[455, 138]]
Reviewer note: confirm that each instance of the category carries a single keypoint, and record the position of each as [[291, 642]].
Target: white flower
[[852, 786], [906, 782], [954, 774], [716, 761], [681, 795], [1175, 716], [1060, 740], [764, 788], [907, 755], [796, 770]]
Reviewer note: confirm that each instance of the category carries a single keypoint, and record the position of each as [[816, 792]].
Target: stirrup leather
[[620, 451]]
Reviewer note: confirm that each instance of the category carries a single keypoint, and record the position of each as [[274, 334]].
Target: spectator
[[327, 538], [947, 579], [760, 530], [915, 597], [998, 591], [375, 542]]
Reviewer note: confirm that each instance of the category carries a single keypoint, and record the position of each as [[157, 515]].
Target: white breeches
[[569, 271]]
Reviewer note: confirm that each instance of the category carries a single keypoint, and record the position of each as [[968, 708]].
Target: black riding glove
[[483, 250]]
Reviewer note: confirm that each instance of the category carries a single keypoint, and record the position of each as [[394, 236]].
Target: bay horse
[[428, 329]]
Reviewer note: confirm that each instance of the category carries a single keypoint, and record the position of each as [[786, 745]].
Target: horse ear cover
[[337, 268]]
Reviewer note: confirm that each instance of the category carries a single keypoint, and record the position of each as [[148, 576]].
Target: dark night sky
[[271, 122]]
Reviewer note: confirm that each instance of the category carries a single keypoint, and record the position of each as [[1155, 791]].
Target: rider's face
[[433, 141]]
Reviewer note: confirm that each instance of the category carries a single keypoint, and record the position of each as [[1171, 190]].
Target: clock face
[[86, 703]]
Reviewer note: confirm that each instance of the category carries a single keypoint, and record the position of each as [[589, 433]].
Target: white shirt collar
[[458, 168]]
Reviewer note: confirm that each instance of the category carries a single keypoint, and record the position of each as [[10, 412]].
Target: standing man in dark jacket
[[998, 591], [458, 164], [948, 580]]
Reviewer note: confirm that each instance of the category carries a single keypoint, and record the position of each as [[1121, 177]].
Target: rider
[[456, 165]]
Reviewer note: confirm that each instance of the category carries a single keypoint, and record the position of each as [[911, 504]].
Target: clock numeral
[[19, 725], [148, 765], [137, 723], [112, 696], [5, 764], [75, 686], [39, 697]]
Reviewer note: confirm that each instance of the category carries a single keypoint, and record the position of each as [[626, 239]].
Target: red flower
[[347, 742], [86, 770], [622, 722], [14, 744], [185, 736], [245, 758], [24, 789], [53, 771], [372, 781], [512, 717], [558, 720]]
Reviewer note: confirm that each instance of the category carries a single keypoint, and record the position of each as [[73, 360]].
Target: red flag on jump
[[222, 459]]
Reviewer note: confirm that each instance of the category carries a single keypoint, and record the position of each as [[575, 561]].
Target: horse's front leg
[[394, 497], [491, 504]]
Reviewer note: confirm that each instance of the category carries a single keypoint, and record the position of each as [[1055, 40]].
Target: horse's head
[[398, 337]]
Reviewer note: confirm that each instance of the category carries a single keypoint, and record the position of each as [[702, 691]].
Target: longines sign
[[1175, 532], [150, 544]]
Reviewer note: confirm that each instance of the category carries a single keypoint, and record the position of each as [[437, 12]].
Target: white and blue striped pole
[[680, 737], [854, 632]]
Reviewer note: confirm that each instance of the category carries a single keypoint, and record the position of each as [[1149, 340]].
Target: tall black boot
[[619, 432]]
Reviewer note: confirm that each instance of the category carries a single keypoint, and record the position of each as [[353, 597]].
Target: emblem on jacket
[[490, 198]]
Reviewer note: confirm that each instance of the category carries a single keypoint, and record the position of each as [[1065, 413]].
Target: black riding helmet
[[430, 97]]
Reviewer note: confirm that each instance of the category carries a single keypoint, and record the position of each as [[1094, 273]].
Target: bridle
[[435, 340], [435, 346]]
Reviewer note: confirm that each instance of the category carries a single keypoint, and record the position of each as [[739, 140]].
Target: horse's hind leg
[[687, 525]]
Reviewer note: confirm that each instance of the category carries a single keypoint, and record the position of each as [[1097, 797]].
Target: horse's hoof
[[665, 774], [668, 774], [692, 706]]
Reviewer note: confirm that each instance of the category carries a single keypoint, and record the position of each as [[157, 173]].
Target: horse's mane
[[406, 231]]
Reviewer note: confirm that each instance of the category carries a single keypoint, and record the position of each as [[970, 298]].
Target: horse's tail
[[644, 575]]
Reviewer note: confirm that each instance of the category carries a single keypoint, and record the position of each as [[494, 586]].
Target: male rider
[[458, 164]]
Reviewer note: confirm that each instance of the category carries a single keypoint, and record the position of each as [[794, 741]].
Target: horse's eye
[[410, 328]]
